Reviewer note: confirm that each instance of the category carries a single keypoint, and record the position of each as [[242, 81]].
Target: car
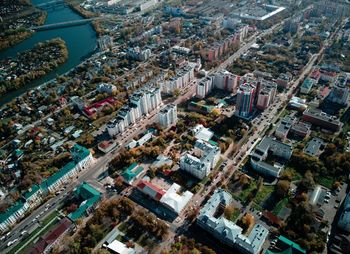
[[2, 238], [326, 201], [336, 206], [23, 232]]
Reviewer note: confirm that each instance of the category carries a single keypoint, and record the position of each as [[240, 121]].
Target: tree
[[282, 188], [244, 180], [72, 208], [176, 92], [246, 222], [228, 211]]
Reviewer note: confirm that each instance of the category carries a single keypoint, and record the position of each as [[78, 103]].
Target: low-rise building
[[284, 126], [131, 173], [301, 129], [205, 159], [322, 119], [200, 132], [107, 146], [307, 85], [150, 190], [344, 220], [47, 242], [175, 199], [106, 88], [226, 231], [284, 245], [90, 197], [267, 146], [314, 146], [297, 103]]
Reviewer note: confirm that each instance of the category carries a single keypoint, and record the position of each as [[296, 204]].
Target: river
[[81, 42]]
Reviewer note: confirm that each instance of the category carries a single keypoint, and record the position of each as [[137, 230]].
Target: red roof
[[273, 219], [50, 237], [315, 74], [104, 144], [90, 110], [325, 92], [150, 190]]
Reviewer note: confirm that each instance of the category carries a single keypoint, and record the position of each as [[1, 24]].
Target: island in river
[[32, 64]]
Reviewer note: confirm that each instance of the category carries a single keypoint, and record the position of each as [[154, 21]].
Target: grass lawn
[[244, 193], [325, 181], [235, 215], [280, 205], [296, 176], [263, 194], [122, 227]]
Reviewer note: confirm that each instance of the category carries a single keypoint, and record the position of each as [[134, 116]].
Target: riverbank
[[74, 5], [15, 24], [32, 64], [80, 40]]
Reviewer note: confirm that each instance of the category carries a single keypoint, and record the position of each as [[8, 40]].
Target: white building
[[183, 77], [194, 166], [200, 132], [176, 200], [168, 115], [225, 230], [204, 87], [207, 157], [106, 88], [138, 54], [141, 102]]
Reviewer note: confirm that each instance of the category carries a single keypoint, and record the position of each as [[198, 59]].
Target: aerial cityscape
[[175, 126]]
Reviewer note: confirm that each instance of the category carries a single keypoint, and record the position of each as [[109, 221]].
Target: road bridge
[[63, 24]]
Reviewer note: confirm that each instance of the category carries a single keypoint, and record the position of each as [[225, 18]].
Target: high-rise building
[[167, 115], [226, 81], [266, 95], [204, 87], [245, 100]]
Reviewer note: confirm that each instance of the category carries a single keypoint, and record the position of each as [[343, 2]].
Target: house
[[47, 242], [131, 173], [150, 190]]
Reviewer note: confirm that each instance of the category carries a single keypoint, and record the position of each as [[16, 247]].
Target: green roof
[[90, 196], [291, 243], [58, 175], [307, 83], [212, 142], [79, 153], [30, 193], [18, 152], [131, 172], [292, 247], [9, 212]]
